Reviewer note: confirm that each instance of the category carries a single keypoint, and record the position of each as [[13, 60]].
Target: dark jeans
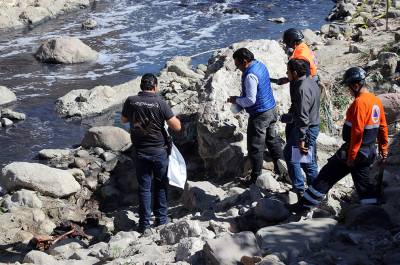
[[152, 167], [336, 169], [261, 131], [294, 169]]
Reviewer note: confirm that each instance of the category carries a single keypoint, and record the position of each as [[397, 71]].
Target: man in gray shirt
[[303, 128]]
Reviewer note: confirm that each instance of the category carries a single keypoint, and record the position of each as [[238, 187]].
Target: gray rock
[[391, 105], [65, 50], [6, 96], [393, 13], [310, 37], [201, 195], [54, 153], [181, 66], [83, 153], [229, 249], [24, 198], [271, 260], [80, 162], [85, 103], [65, 248], [108, 156], [39, 257], [288, 241], [120, 242], [107, 137], [277, 19], [219, 227], [89, 24], [125, 220], [267, 181], [271, 210], [12, 115], [98, 151], [173, 233], [388, 62], [46, 180], [6, 122], [188, 247], [367, 216], [78, 174]]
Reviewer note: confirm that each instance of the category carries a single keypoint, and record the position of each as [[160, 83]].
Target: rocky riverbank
[[22, 13], [213, 220]]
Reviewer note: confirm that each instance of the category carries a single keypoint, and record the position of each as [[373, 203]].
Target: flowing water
[[133, 37]]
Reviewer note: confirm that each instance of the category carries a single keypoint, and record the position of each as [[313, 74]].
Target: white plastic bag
[[176, 169]]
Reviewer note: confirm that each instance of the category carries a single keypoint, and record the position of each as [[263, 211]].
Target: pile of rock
[[19, 13]]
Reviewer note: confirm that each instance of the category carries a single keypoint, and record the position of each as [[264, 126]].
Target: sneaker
[[147, 232], [282, 168]]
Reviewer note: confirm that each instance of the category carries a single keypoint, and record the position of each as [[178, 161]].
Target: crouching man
[[147, 114], [365, 124]]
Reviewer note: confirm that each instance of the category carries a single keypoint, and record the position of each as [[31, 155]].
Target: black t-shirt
[[147, 114]]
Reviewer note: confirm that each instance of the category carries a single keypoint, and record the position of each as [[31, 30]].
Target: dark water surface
[[133, 37]]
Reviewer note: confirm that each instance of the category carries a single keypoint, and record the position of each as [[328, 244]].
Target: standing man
[[147, 114], [303, 128], [293, 39], [365, 124], [258, 100]]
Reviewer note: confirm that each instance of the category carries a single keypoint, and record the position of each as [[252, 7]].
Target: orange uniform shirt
[[303, 52], [365, 123]]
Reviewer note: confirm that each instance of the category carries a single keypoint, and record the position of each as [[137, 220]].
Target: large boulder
[[288, 241], [222, 134], [6, 95], [46, 180], [391, 104], [65, 50], [229, 249], [107, 137], [84, 103], [271, 210]]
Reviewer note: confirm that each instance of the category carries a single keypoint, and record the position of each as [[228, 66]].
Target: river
[[133, 37]]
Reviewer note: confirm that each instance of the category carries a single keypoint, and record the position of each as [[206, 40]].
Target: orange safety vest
[[365, 123], [303, 52]]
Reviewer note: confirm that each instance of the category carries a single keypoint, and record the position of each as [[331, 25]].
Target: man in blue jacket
[[258, 100]]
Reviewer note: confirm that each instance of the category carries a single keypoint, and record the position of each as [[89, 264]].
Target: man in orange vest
[[293, 39], [364, 126]]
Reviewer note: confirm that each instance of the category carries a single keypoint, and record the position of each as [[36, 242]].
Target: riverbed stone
[[288, 241], [201, 195], [229, 249], [6, 122], [89, 24], [46, 180], [66, 50], [271, 210], [12, 115], [173, 233], [391, 105], [85, 103], [187, 247], [24, 198], [6, 95], [39, 257], [107, 137], [54, 153]]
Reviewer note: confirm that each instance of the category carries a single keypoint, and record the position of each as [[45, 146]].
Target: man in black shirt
[[147, 114]]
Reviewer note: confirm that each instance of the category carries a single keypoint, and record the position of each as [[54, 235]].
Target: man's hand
[[303, 148], [383, 158], [282, 81], [350, 163], [232, 99]]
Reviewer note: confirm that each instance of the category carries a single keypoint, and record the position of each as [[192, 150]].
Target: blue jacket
[[265, 98]]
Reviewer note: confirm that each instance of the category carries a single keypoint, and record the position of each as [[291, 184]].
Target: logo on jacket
[[376, 113]]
